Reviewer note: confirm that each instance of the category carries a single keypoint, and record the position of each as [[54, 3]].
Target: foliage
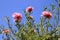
[[44, 30]]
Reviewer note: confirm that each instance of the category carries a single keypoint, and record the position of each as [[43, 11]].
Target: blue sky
[[7, 7]]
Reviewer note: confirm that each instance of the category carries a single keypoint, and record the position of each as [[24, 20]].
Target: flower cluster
[[47, 14], [5, 31], [17, 16], [29, 9]]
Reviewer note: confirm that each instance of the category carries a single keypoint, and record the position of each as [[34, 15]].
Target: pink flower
[[29, 9], [5, 31], [17, 16], [47, 14], [31, 17]]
